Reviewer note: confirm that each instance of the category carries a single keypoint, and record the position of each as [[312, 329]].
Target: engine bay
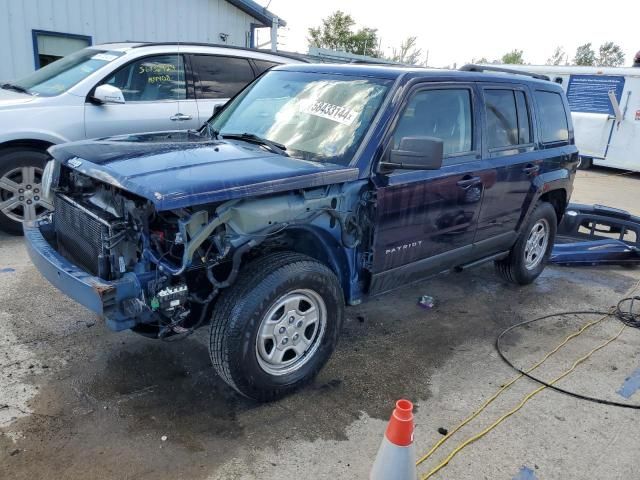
[[183, 258]]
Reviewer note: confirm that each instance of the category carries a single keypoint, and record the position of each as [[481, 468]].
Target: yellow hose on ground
[[508, 384], [520, 405], [503, 388]]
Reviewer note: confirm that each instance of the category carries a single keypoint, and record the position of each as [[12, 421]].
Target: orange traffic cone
[[396, 459]]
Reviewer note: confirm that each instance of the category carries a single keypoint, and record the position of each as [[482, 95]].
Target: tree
[[408, 52], [610, 55], [585, 55], [559, 57], [513, 57], [336, 33], [364, 42]]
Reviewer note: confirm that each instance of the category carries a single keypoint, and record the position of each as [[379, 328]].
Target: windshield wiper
[[17, 88], [275, 147]]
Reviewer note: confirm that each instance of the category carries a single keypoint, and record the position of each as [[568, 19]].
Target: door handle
[[531, 169], [468, 181], [180, 117]]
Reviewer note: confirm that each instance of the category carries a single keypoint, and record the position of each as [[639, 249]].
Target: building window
[[51, 46]]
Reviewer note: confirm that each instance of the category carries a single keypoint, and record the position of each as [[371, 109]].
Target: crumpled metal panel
[[180, 169]]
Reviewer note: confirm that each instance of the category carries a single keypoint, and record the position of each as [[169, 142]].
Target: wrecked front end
[[159, 272]]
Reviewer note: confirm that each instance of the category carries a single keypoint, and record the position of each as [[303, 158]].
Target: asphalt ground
[[80, 402]]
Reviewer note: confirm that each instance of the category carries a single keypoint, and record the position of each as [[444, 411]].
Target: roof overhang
[[258, 12]]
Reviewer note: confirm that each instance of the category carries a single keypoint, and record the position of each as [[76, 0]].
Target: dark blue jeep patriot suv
[[314, 188]]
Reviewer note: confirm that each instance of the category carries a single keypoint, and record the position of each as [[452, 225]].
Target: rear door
[[156, 98], [217, 79], [510, 148]]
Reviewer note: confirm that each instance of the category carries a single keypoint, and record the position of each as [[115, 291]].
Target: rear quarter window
[[220, 77], [264, 65], [553, 117]]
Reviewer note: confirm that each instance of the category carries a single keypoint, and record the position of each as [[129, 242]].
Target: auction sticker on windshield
[[336, 113]]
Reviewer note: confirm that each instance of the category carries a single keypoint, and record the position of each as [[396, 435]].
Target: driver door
[[155, 93], [426, 220]]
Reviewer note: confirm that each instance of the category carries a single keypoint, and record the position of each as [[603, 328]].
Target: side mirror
[[416, 153], [217, 109], [105, 94]]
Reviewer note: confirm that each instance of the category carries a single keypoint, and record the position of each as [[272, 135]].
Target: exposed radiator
[[81, 236]]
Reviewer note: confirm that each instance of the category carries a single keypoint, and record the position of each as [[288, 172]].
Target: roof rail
[[382, 64], [119, 41], [293, 56], [472, 67]]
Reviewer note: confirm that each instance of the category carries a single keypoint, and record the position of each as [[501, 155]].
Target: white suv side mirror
[[108, 94]]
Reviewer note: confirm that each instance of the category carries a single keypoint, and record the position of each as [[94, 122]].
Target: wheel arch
[[38, 144], [558, 199], [553, 187]]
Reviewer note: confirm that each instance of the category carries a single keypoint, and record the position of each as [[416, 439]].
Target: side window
[[553, 117], [151, 79], [444, 114], [507, 118], [220, 77], [263, 65]]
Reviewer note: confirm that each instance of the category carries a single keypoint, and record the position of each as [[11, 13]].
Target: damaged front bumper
[[106, 298], [597, 235]]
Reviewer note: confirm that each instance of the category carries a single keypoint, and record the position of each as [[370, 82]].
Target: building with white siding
[[36, 32]]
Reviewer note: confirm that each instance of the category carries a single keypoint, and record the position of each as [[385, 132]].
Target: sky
[[456, 32]]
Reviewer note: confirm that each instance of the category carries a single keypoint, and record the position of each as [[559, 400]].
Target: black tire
[[238, 314], [585, 163], [10, 159], [513, 268]]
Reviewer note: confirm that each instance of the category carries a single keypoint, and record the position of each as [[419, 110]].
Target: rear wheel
[[21, 188], [532, 250], [276, 327]]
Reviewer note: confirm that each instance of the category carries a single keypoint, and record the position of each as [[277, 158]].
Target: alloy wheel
[[21, 194], [536, 245], [291, 332]]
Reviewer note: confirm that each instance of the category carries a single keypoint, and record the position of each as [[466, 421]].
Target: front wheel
[[532, 250], [276, 327]]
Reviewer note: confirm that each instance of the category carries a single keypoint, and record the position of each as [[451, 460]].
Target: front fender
[[320, 243], [32, 135]]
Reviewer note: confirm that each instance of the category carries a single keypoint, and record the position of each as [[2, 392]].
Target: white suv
[[105, 90]]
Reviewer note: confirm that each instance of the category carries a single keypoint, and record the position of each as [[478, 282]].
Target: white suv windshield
[[61, 75], [315, 116]]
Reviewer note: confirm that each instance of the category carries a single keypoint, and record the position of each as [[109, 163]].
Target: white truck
[[605, 106]]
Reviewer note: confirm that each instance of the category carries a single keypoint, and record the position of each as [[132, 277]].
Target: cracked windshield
[[315, 116]]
